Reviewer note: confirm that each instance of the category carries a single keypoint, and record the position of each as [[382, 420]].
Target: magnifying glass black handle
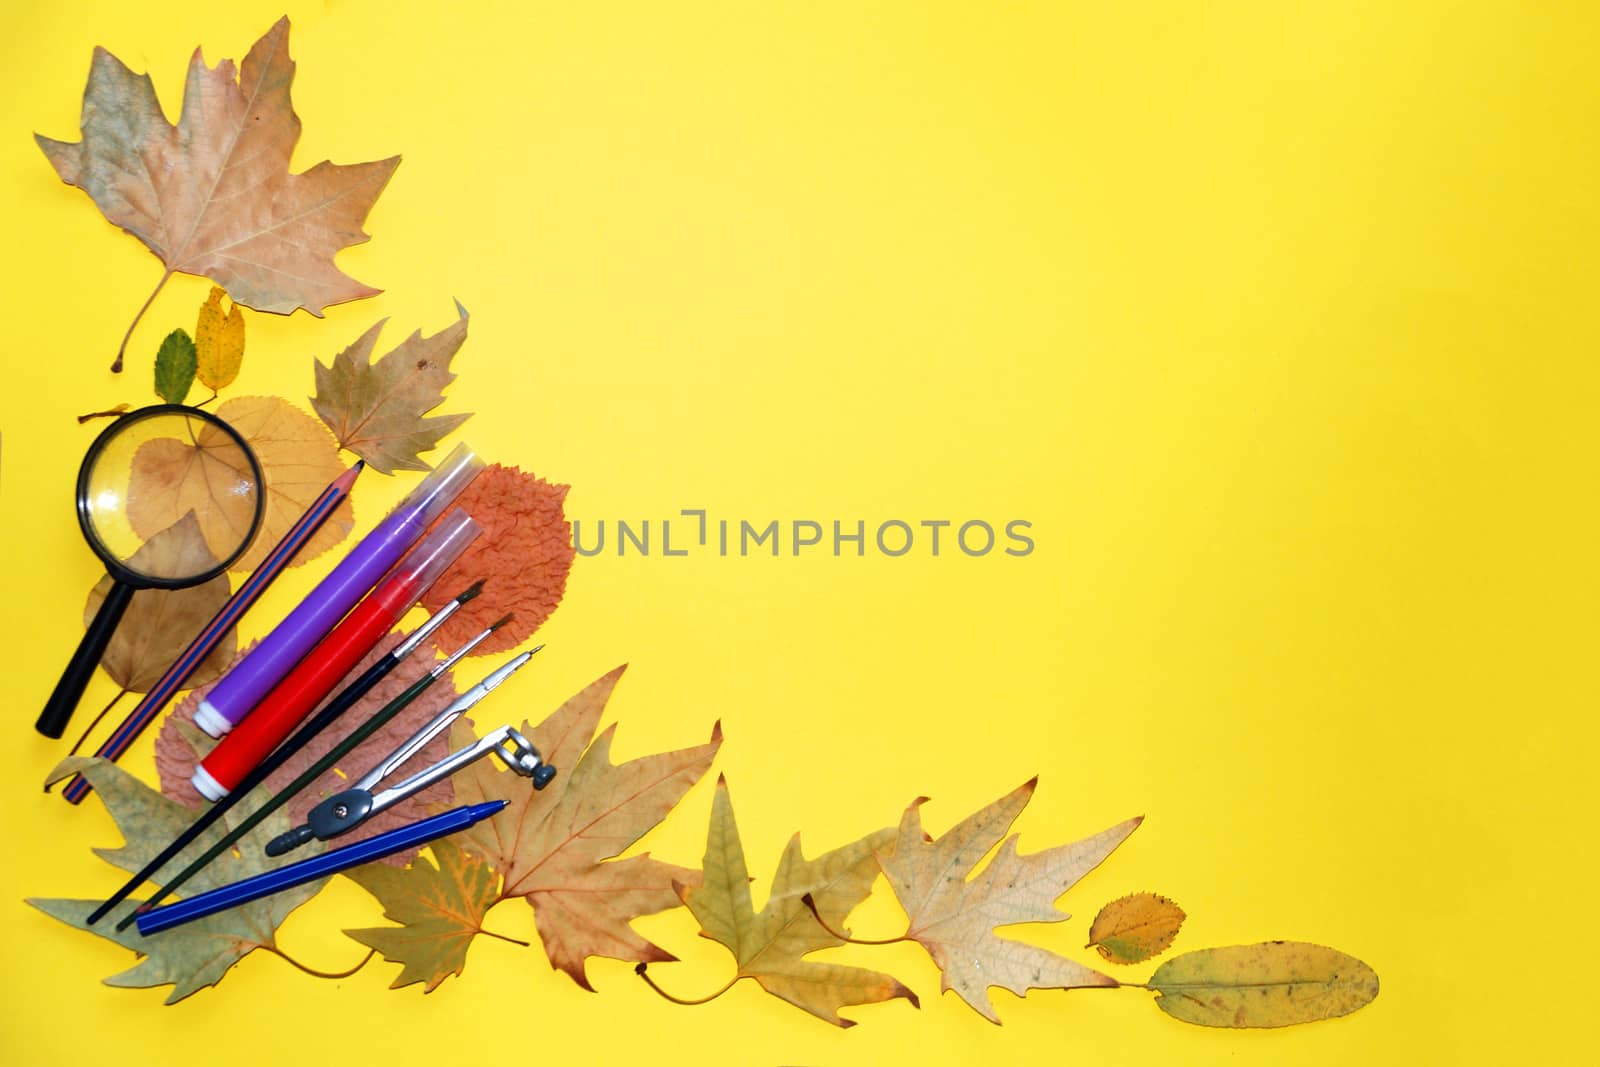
[[64, 701]]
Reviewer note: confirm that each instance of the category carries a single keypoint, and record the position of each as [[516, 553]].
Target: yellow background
[[1275, 320]]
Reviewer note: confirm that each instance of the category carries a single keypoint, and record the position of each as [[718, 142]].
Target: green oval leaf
[[176, 363], [1275, 983]]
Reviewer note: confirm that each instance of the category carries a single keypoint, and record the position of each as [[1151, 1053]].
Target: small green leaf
[[1276, 983], [176, 363]]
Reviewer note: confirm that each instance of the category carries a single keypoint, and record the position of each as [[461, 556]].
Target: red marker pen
[[314, 677]]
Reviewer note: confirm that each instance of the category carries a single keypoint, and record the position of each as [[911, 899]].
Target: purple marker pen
[[243, 687]]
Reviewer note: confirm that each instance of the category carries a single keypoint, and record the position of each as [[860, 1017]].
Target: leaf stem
[[76, 745], [90, 728], [291, 961], [502, 937], [811, 905], [109, 413], [643, 972], [116, 367]]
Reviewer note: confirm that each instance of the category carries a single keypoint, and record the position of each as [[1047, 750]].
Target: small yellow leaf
[[1135, 927], [219, 341]]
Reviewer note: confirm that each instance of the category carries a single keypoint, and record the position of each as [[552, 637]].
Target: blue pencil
[[340, 859], [274, 564]]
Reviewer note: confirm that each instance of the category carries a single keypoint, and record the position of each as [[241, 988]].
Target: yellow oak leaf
[[218, 342]]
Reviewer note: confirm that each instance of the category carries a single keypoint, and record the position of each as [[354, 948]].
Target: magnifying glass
[[169, 496]]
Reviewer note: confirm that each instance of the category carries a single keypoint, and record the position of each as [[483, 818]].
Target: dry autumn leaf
[[557, 848], [298, 460], [954, 917], [1133, 928], [218, 342], [181, 745], [771, 945], [160, 623], [525, 553], [198, 954], [376, 408], [213, 195], [440, 910], [1275, 983]]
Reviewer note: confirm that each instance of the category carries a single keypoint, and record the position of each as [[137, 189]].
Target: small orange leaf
[[1136, 927], [524, 555]]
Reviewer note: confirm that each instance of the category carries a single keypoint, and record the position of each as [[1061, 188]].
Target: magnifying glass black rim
[[113, 565]]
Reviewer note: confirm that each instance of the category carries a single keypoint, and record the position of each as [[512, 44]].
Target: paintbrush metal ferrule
[[423, 632]]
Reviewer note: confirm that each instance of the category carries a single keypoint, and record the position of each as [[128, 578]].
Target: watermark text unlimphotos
[[694, 532]]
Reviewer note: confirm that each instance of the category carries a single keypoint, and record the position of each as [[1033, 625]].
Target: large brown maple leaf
[[557, 847], [213, 195]]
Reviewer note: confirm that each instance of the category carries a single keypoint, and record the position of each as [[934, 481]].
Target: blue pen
[[263, 885]]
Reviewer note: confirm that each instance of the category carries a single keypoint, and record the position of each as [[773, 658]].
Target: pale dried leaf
[[954, 917], [213, 195], [198, 954]]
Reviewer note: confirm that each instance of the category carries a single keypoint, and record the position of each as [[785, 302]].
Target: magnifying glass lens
[[168, 497], [149, 478]]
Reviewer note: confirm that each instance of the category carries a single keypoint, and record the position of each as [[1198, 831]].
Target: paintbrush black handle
[[336, 707], [310, 774]]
